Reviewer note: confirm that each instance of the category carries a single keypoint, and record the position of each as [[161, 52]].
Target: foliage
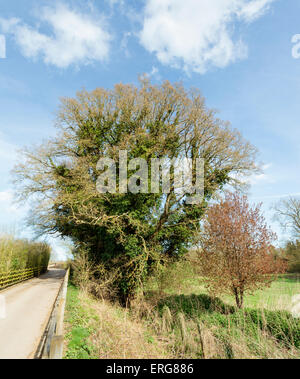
[[233, 333], [287, 212], [198, 325], [174, 325], [128, 234], [291, 252], [16, 254], [235, 255], [175, 275], [105, 331], [79, 332]]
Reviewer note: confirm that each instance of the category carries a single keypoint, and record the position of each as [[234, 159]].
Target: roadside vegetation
[[175, 317], [17, 254], [190, 308], [235, 255], [129, 234], [103, 330], [138, 291]]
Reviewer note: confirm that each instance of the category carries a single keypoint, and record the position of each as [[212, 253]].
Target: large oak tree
[[129, 234]]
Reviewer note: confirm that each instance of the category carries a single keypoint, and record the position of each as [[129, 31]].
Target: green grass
[[278, 296], [178, 319], [77, 319], [227, 320], [99, 329], [182, 280], [265, 327]]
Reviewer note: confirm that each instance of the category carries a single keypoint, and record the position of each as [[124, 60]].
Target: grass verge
[[176, 318], [98, 329], [79, 327]]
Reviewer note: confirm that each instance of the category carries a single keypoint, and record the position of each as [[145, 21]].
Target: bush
[[172, 277], [194, 305], [18, 254], [279, 325]]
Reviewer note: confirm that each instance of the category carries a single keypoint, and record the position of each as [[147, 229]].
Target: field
[[176, 318], [277, 297]]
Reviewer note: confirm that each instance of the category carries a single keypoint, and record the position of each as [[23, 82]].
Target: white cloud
[[263, 177], [8, 25], [76, 38], [254, 9], [10, 84], [6, 196], [124, 43], [268, 197], [8, 208], [154, 73], [197, 34]]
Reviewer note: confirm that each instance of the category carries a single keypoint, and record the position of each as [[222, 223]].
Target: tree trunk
[[126, 299], [239, 297]]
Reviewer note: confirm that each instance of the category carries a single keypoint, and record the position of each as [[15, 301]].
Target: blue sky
[[237, 52]]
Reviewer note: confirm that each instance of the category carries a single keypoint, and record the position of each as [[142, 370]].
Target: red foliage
[[236, 248]]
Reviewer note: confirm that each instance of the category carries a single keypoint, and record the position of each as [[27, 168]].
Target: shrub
[[254, 327], [17, 254]]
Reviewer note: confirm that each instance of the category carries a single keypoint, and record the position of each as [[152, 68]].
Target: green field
[[277, 297]]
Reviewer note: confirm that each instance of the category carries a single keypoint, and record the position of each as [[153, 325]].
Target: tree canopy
[[130, 234], [287, 212], [236, 248]]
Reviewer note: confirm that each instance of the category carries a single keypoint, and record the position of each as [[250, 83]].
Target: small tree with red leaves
[[235, 256]]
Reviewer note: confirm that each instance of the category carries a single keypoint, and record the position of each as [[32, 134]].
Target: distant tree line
[[18, 254], [287, 212]]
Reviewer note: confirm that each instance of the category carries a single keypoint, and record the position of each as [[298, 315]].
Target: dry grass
[[114, 334], [120, 336], [164, 324]]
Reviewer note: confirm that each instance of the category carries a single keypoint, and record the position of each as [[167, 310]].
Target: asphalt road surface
[[28, 308]]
